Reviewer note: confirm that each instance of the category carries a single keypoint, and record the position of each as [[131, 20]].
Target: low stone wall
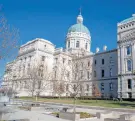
[[19, 120], [69, 116], [124, 117], [107, 115]]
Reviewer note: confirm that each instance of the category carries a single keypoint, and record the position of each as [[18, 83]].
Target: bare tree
[[38, 79], [9, 37], [75, 81], [59, 80]]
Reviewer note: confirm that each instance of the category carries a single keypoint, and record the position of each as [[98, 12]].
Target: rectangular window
[[69, 44], [56, 60], [69, 62], [43, 58], [81, 74], [88, 63], [128, 49], [103, 62], [77, 44], [86, 45], [64, 60], [110, 72], [87, 87], [88, 74], [95, 62], [102, 86], [94, 73], [129, 95], [129, 84], [111, 86], [129, 65], [103, 73], [74, 88]]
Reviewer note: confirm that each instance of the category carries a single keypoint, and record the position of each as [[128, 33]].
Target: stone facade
[[106, 70]]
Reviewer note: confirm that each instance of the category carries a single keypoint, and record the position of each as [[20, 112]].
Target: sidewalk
[[125, 110]]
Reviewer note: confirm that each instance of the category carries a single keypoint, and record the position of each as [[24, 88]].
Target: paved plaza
[[37, 116]]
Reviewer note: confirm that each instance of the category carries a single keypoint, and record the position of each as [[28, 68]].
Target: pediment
[[129, 36]]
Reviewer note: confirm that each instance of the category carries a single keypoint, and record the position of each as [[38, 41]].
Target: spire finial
[[80, 10]]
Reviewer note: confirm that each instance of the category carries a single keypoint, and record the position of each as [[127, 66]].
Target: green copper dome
[[128, 20], [79, 28]]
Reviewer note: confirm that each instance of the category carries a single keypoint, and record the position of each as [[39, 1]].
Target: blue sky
[[50, 19]]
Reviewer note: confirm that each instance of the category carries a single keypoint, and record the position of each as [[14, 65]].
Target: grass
[[82, 114], [102, 103]]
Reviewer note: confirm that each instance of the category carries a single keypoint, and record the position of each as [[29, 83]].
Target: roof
[[79, 28], [128, 19]]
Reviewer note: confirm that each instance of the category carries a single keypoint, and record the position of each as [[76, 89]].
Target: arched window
[[129, 65], [86, 46], [77, 44]]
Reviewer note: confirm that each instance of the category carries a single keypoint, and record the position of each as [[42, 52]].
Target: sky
[[51, 19]]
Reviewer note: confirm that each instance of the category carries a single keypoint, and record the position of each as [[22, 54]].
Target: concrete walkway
[[124, 110], [32, 115]]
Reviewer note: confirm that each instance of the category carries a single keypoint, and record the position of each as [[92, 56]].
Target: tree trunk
[[74, 108]]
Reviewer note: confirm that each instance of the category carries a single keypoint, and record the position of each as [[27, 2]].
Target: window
[[103, 62], [81, 74], [75, 76], [128, 50], [56, 60], [86, 46], [68, 74], [111, 86], [30, 58], [102, 95], [95, 62], [68, 44], [111, 60], [129, 84], [129, 68], [55, 74], [129, 95], [74, 88], [67, 87], [81, 87], [43, 58], [102, 86], [45, 46], [103, 73], [94, 73], [69, 61], [77, 44], [88, 74], [64, 60], [88, 63], [87, 87], [110, 72], [82, 64]]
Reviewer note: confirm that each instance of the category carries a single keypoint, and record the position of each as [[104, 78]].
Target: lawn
[[102, 103]]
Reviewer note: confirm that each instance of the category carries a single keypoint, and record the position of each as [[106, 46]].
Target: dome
[[79, 28], [129, 19]]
